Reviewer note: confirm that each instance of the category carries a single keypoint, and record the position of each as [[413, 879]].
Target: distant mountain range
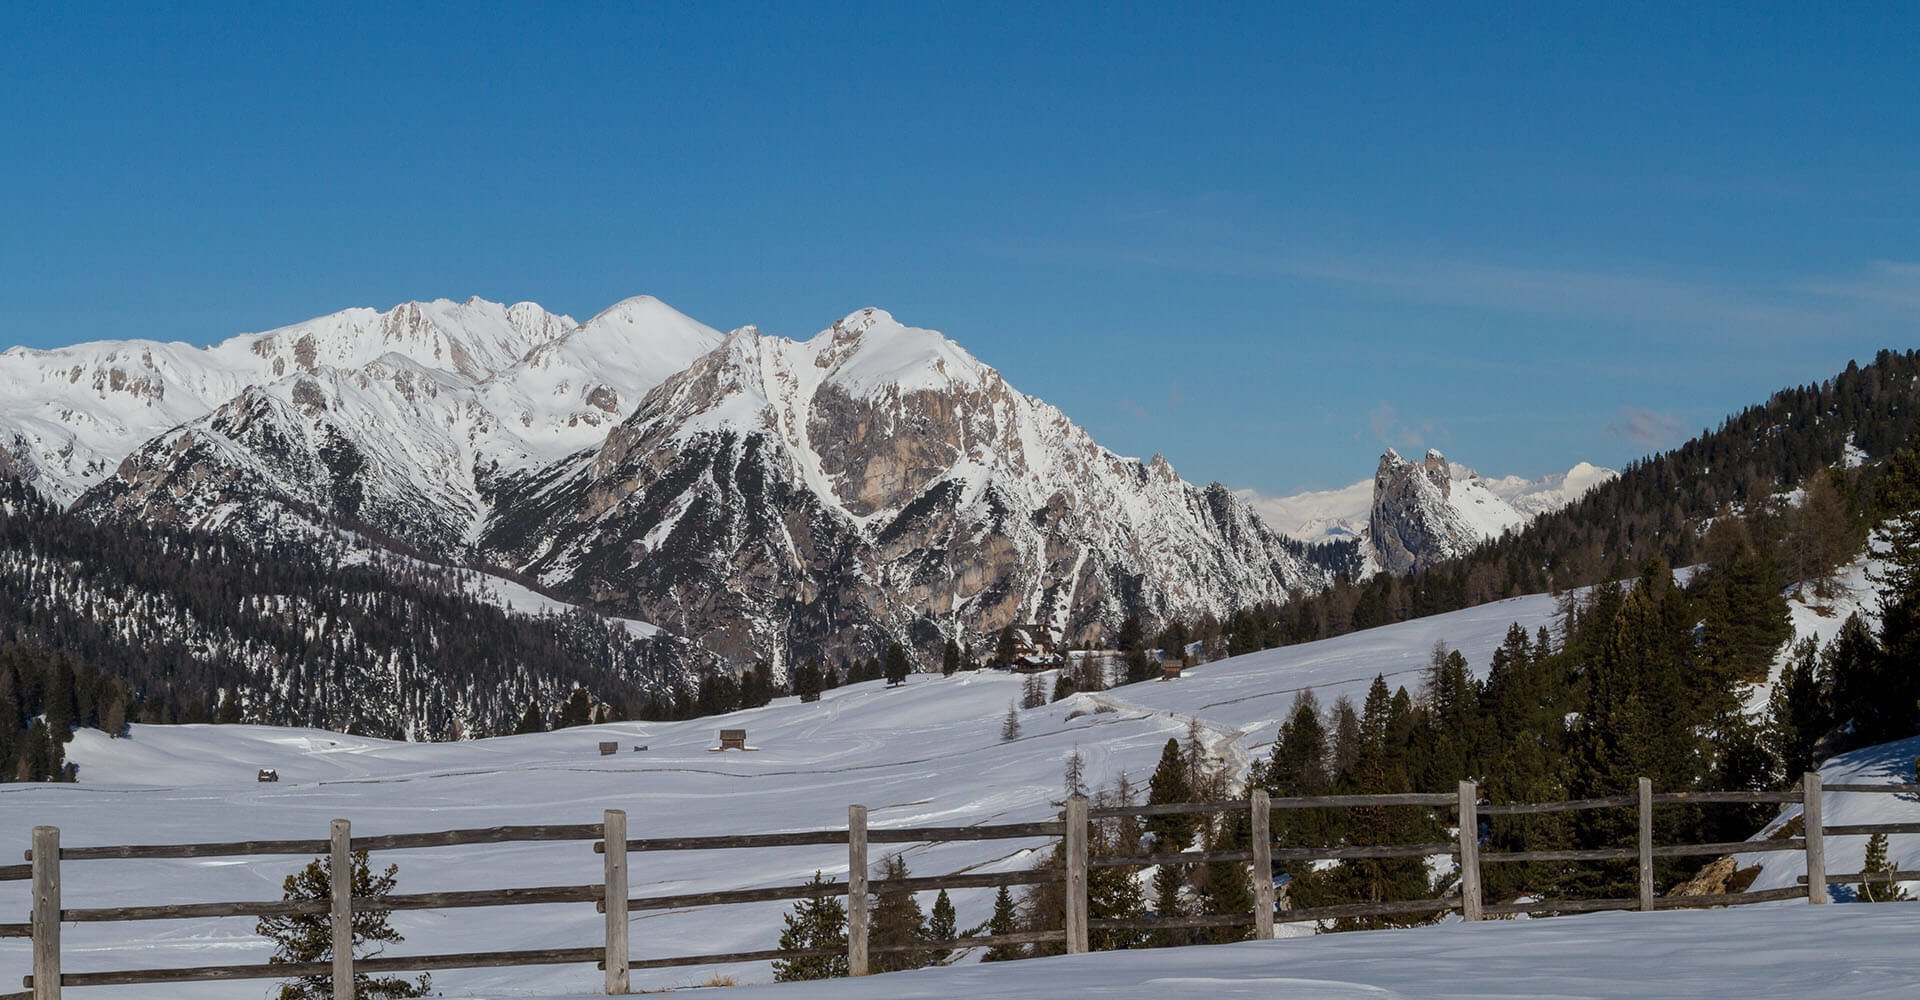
[[1415, 514], [764, 497]]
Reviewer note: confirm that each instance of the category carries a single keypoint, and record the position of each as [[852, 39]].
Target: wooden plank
[[1867, 877], [934, 834], [1908, 789], [1569, 805], [1707, 798], [770, 955], [481, 835], [1350, 801], [1563, 906], [1382, 909], [1646, 843], [292, 970], [242, 848], [1469, 836], [1156, 923], [340, 916], [466, 898], [1166, 809], [1363, 851], [1814, 838], [856, 890], [1261, 835], [969, 880], [1869, 829], [1590, 854], [983, 941], [16, 930], [46, 912], [16, 873], [1172, 858], [195, 911], [614, 900], [1730, 847], [1728, 899], [1076, 851], [798, 838]]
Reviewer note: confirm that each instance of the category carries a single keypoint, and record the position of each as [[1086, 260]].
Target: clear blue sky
[[1263, 240]]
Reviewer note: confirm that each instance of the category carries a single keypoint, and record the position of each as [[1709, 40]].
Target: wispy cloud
[[1387, 428], [1648, 428]]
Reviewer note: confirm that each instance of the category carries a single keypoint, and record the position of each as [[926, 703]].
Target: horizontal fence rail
[[609, 840]]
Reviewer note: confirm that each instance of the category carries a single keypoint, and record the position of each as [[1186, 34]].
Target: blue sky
[[1265, 241]]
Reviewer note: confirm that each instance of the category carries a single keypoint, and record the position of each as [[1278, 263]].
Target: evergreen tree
[[1010, 726], [1876, 883], [950, 658], [308, 937], [1005, 649], [1130, 635], [942, 925], [229, 711], [1899, 586], [1168, 904], [818, 921], [897, 920], [1168, 786], [1114, 893], [578, 710], [530, 721], [807, 682], [1006, 920], [1033, 691], [1224, 888], [897, 666], [1799, 711]]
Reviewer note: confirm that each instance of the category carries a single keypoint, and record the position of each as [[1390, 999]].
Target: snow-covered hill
[[764, 495], [1415, 513]]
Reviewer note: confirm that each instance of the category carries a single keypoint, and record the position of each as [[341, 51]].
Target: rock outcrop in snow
[[1413, 514]]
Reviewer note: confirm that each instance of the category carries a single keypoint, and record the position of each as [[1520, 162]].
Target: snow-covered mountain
[[1416, 513], [760, 493], [879, 476]]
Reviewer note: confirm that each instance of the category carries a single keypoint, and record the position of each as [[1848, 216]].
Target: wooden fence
[[609, 838]]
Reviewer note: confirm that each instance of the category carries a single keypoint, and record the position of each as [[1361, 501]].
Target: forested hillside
[[101, 625], [1826, 439]]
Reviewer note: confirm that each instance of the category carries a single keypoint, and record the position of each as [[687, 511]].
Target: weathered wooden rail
[[611, 897]]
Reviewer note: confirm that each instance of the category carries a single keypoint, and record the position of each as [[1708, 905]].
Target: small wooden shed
[[732, 739], [608, 748], [269, 774]]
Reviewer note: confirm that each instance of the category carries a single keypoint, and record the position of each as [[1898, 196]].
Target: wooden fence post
[[1814, 829], [1646, 843], [46, 913], [1076, 874], [1469, 851], [341, 916], [856, 890], [1262, 838], [613, 831]]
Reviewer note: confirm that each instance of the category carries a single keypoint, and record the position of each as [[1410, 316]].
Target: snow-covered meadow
[[928, 753]]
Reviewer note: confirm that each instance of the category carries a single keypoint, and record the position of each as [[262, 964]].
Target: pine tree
[[1224, 889], [897, 666], [1168, 880], [950, 658], [807, 682], [1076, 773], [942, 925], [578, 710], [1799, 711], [1033, 691], [897, 920], [1114, 893], [818, 921], [1005, 649], [1876, 883], [531, 721], [1169, 786], [1010, 726], [1006, 920], [308, 937]]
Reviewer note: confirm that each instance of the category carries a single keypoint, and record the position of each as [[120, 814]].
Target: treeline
[[1825, 437], [197, 628]]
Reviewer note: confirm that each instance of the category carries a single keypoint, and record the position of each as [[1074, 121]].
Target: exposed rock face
[[763, 496], [1412, 523], [877, 480]]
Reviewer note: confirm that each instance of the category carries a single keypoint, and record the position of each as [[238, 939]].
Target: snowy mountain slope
[[1416, 513], [871, 483], [927, 753], [877, 474]]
